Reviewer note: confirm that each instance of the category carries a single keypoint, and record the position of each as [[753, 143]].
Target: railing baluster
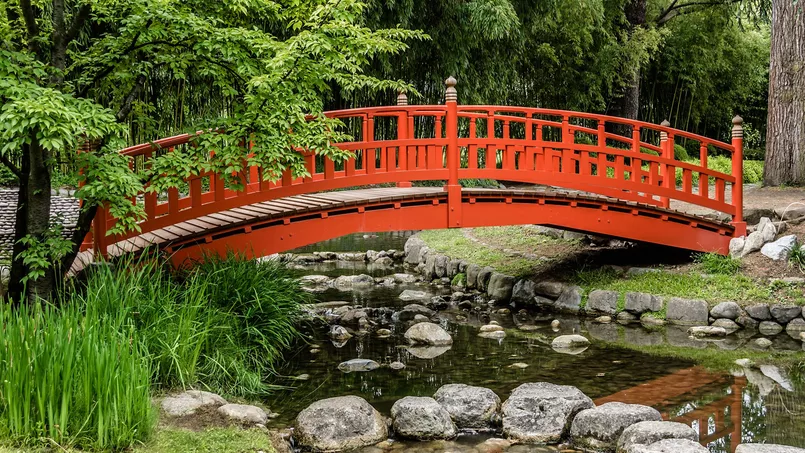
[[370, 162], [704, 180], [490, 160]]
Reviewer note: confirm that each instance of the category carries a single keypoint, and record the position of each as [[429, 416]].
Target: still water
[[726, 408]]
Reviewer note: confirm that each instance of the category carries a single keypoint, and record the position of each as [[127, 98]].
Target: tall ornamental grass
[[71, 378]]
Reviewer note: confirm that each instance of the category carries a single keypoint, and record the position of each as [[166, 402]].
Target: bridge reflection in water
[[720, 419]]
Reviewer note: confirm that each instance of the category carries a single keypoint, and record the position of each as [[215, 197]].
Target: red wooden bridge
[[585, 172]]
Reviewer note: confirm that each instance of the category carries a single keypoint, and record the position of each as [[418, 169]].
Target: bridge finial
[[663, 134], [450, 94], [665, 123], [737, 127], [402, 98]]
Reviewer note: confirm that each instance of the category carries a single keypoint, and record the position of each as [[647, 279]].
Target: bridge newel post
[[402, 134], [667, 153], [453, 188], [738, 174]]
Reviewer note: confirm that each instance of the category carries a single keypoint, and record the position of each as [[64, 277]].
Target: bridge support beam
[[453, 188]]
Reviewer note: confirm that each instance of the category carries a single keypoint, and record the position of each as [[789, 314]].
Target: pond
[[726, 408]]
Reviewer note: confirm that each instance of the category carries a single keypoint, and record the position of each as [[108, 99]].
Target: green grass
[[797, 258], [452, 242], [693, 285], [713, 263], [516, 237]]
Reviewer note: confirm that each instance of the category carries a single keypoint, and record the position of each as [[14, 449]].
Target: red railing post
[[402, 134], [668, 153], [453, 188], [738, 174]]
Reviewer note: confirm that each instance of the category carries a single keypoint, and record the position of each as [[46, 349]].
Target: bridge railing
[[610, 156]]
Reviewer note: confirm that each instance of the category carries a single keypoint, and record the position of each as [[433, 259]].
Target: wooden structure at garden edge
[[592, 173]]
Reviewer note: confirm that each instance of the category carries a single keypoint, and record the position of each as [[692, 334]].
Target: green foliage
[[797, 258], [72, 377], [460, 279], [713, 263], [40, 253], [680, 153], [753, 169], [219, 440]]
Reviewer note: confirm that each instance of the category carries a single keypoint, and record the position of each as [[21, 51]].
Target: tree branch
[[5, 161], [675, 8], [125, 109], [107, 70], [78, 22], [30, 25]]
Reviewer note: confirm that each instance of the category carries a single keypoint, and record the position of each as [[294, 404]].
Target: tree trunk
[[785, 136], [38, 210], [18, 270], [628, 104]]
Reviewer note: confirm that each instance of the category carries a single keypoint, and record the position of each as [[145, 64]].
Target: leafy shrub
[[680, 153], [713, 263], [753, 169], [73, 377], [797, 258]]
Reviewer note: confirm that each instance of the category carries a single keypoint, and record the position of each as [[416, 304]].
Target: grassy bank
[[81, 373]]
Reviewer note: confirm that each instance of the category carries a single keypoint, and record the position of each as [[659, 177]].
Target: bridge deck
[[292, 209]]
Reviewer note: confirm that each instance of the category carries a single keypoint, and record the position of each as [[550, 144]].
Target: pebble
[[763, 342], [520, 365], [396, 365], [555, 323]]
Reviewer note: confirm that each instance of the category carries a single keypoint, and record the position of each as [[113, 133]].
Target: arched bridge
[[585, 172]]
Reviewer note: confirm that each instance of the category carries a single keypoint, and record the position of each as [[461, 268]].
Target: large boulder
[[500, 287], [729, 310], [472, 275], [412, 247], [569, 300], [600, 428], [483, 278], [187, 403], [523, 292], [687, 312], [340, 423], [785, 313], [469, 407], [428, 333], [570, 341], [639, 303], [410, 294], [601, 301], [354, 281], [410, 311], [781, 248], [243, 413], [421, 418], [767, 448], [647, 433], [761, 312], [440, 266], [671, 446], [542, 412], [551, 290]]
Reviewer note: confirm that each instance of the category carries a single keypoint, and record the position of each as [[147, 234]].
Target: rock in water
[[671, 446], [541, 412], [569, 342], [341, 423], [767, 448], [647, 433], [428, 333], [421, 418], [729, 310], [356, 365], [410, 294], [243, 413], [339, 333], [599, 428], [707, 332], [469, 407]]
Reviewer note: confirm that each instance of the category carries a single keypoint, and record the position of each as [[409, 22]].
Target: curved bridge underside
[[279, 225]]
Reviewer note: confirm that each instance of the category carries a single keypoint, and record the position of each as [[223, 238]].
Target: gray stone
[[781, 248], [410, 294], [687, 312], [243, 413], [737, 246], [604, 332], [186, 403], [353, 316], [784, 313], [314, 280], [349, 281], [777, 375], [523, 292], [427, 352], [410, 312], [727, 324], [427, 333], [452, 268], [795, 326], [569, 300], [625, 317], [440, 267], [767, 229], [602, 302], [770, 328], [671, 446], [357, 365], [500, 287], [430, 266], [569, 341], [384, 261], [404, 278], [483, 278], [728, 310], [767, 448], [472, 275], [707, 332], [549, 289], [763, 343], [760, 312], [339, 333], [600, 428], [747, 322], [421, 418], [412, 247], [542, 412], [753, 243], [469, 407], [639, 303], [647, 433], [396, 365], [340, 423]]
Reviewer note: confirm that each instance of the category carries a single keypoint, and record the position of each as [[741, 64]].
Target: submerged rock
[[469, 407], [649, 432], [427, 333], [357, 365], [421, 418], [541, 412], [601, 427], [340, 423]]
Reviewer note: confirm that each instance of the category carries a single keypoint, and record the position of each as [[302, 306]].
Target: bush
[[713, 263], [680, 153], [753, 169], [72, 377]]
